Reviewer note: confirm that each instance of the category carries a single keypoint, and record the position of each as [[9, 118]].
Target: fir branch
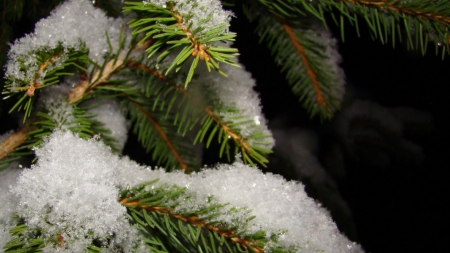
[[26, 239], [227, 130], [21, 143], [306, 62], [307, 54], [149, 210], [52, 64], [154, 128], [163, 135], [85, 87], [248, 151], [421, 20], [166, 26]]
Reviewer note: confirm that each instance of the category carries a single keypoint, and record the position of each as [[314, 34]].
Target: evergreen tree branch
[[26, 240], [227, 131], [306, 52], [167, 26], [408, 8], [149, 210], [163, 135], [154, 128], [84, 87], [246, 149], [306, 62], [421, 20], [52, 64]]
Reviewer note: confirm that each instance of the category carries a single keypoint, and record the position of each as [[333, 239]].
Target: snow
[[53, 100], [71, 24], [332, 60], [281, 207], [75, 185], [194, 14], [8, 179], [72, 191], [108, 112], [235, 91]]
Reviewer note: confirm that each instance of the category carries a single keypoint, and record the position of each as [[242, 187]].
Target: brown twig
[[84, 87], [163, 136], [196, 221], [301, 51], [391, 6], [13, 141], [199, 48], [236, 137]]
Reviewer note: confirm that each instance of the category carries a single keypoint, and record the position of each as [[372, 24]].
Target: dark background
[[395, 209]]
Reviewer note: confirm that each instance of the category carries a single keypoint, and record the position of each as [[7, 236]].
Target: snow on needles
[[72, 191], [235, 100], [108, 112], [75, 186], [71, 24], [281, 208], [204, 13], [8, 179]]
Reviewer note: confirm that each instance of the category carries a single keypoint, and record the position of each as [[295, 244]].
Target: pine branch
[[314, 74], [306, 52], [101, 75], [184, 232], [26, 240], [188, 115], [227, 130], [27, 79], [421, 20], [152, 123], [199, 37], [162, 133]]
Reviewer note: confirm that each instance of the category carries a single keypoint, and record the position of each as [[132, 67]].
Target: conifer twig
[[84, 87], [295, 41], [392, 6], [236, 137], [163, 135], [9, 144], [196, 221]]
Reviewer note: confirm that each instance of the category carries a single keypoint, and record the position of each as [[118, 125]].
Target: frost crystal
[[71, 24]]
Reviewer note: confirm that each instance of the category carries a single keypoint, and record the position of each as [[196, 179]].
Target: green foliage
[[175, 108], [164, 27], [24, 240], [46, 122], [298, 48], [167, 230], [153, 106], [415, 21], [215, 126], [27, 86]]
